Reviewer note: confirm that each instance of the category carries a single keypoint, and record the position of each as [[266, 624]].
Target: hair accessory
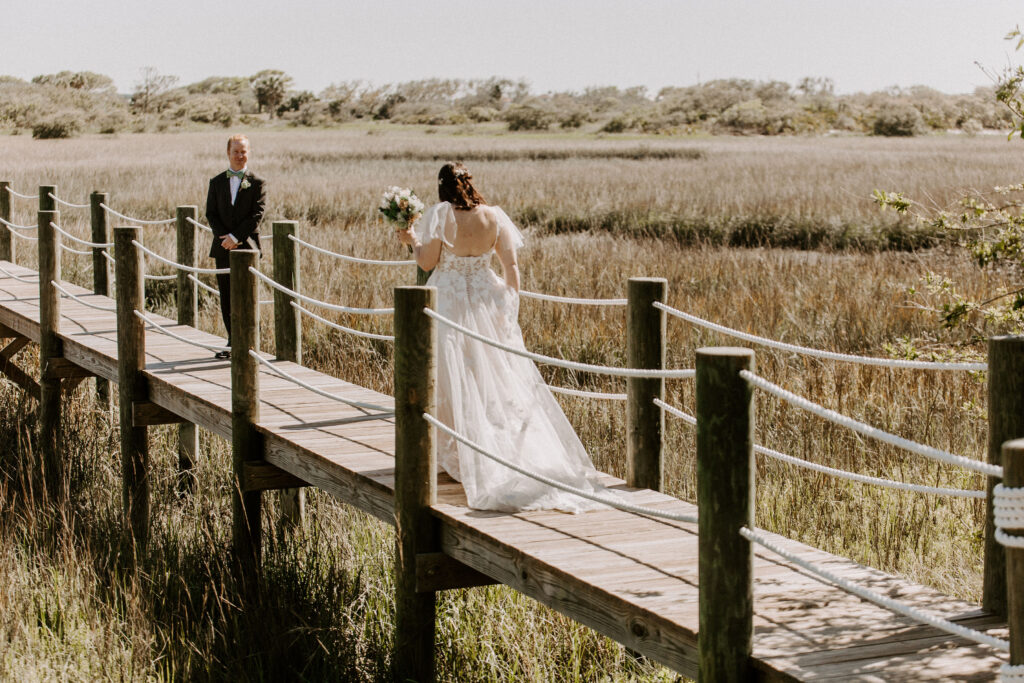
[[459, 172]]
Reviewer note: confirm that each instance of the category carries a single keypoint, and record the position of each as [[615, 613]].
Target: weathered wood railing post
[[645, 348], [246, 442], [415, 481], [6, 241], [1005, 422], [50, 348], [46, 201], [288, 340], [188, 296], [725, 500], [1013, 477], [131, 382], [100, 273]]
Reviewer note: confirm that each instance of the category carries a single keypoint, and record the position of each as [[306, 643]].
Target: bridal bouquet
[[399, 205]]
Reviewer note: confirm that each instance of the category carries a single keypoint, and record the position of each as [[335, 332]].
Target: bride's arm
[[509, 264], [426, 255]]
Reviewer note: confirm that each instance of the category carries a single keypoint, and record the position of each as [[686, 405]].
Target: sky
[[556, 45]]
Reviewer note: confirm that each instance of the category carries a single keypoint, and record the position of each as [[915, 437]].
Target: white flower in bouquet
[[400, 205]]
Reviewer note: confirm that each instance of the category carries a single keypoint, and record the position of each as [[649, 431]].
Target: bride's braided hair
[[455, 186]]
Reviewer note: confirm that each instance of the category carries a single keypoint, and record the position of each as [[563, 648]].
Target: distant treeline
[[66, 103]]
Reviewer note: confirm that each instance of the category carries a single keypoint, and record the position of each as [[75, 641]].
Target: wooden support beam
[[1013, 477], [288, 341], [246, 442], [100, 275], [260, 475], [7, 332], [188, 298], [50, 345], [440, 572], [68, 386], [147, 414], [1005, 422], [62, 368], [131, 383], [645, 349], [415, 482], [14, 347], [19, 377], [725, 498], [6, 241]]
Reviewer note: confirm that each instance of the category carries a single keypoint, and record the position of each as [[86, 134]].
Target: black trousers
[[224, 285]]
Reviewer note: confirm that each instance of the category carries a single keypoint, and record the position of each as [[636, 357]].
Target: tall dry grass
[[327, 606]]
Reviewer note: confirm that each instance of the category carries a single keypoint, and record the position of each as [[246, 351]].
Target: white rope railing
[[840, 474], [19, 278], [1011, 673], [213, 290], [817, 353], [80, 300], [198, 224], [344, 257], [18, 227], [23, 196], [137, 220], [558, 362], [586, 394], [67, 204], [868, 430], [79, 252], [274, 284], [23, 236], [342, 328], [572, 300], [362, 405], [172, 276], [85, 243], [597, 498], [163, 330], [761, 539], [180, 266], [1008, 508]]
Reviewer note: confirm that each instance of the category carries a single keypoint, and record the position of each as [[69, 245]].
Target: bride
[[494, 398]]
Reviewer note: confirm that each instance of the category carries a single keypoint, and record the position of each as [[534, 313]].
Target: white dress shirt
[[234, 182]]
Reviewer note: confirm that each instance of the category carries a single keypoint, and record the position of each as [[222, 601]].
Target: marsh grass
[[76, 608]]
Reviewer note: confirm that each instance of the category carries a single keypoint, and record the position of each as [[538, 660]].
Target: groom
[[234, 209]]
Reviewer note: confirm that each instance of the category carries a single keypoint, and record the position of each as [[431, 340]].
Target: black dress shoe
[[222, 355]]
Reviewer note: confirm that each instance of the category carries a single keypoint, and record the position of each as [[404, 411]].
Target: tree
[[150, 88], [270, 86], [86, 81]]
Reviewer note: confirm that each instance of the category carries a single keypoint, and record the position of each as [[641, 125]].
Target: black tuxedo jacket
[[241, 219]]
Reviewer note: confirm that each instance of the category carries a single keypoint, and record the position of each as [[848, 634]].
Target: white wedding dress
[[494, 398]]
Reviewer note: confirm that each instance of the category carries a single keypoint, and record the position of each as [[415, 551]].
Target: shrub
[[527, 117], [615, 125], [971, 127], [62, 125], [898, 119]]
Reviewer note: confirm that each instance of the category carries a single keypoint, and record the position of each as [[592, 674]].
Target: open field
[[596, 211]]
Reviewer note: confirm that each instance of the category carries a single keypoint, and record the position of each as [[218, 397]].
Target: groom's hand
[[228, 243]]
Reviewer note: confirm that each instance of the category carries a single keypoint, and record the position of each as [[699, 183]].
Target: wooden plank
[[146, 414], [439, 572], [62, 368], [259, 475]]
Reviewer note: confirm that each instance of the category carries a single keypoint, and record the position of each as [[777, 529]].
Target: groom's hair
[[237, 138], [455, 186]]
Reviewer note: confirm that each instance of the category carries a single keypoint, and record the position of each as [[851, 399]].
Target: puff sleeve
[[431, 225], [509, 236]]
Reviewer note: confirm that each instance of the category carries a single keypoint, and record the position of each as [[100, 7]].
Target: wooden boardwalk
[[629, 577]]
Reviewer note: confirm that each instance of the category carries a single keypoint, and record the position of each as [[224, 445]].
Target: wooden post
[[725, 499], [645, 348], [288, 342], [415, 481], [131, 382], [1005, 422], [6, 241], [1013, 477], [46, 202], [100, 273], [188, 296], [50, 348], [246, 442]]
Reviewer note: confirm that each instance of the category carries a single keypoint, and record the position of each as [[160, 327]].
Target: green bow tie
[[237, 174]]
